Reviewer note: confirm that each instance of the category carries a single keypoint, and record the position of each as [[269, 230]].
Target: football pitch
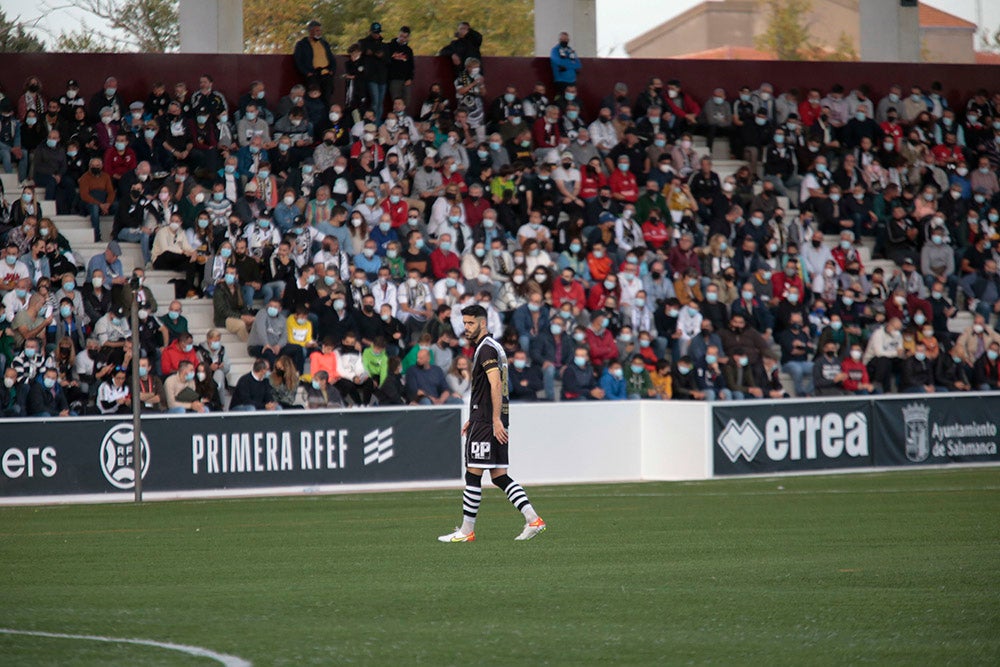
[[900, 568]]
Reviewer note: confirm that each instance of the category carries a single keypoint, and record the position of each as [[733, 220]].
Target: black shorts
[[482, 450]]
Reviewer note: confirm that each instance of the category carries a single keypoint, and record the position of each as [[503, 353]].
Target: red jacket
[[118, 164], [474, 211], [857, 374], [780, 283], [623, 183], [808, 113], [398, 212], [572, 293], [687, 106], [602, 348], [598, 293], [173, 355], [546, 135], [656, 236], [913, 305], [599, 268], [442, 262]]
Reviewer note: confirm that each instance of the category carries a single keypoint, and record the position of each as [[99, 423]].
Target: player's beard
[[474, 336]]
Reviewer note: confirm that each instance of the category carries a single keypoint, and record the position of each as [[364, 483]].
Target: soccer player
[[486, 432]]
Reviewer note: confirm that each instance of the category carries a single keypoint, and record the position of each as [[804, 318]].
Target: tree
[[789, 37], [147, 26], [15, 39], [273, 26], [787, 34]]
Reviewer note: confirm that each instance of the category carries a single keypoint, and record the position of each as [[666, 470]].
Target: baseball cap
[[606, 217], [909, 260], [251, 187], [72, 84], [314, 24], [376, 27]]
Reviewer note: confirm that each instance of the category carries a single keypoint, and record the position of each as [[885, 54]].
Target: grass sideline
[[898, 568]]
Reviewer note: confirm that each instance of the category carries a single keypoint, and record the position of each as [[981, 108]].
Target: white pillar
[[211, 26], [889, 32], [577, 17]]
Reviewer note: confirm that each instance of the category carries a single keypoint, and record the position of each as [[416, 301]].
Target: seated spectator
[[769, 377], [13, 394], [354, 382], [525, 381], [286, 385], [175, 322], [828, 377], [182, 396], [152, 395], [31, 362], [579, 382], [229, 308], [710, 378], [917, 375], [857, 381], [612, 382], [426, 383], [638, 384], [391, 391], [986, 370], [321, 395], [46, 398], [269, 336], [950, 371], [253, 390], [180, 350], [459, 379], [661, 380], [685, 385], [207, 386], [113, 396], [884, 352], [740, 377]]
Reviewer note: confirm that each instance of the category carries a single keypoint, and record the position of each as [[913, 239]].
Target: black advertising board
[[781, 436], [950, 428], [231, 451]]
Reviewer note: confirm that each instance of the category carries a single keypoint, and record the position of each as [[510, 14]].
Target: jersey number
[[480, 450]]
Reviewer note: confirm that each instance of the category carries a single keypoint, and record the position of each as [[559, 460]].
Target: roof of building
[[987, 58], [727, 52], [931, 17]]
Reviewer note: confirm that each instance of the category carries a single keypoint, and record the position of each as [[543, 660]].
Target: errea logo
[[741, 440]]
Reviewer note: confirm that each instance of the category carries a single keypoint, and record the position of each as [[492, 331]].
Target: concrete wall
[[577, 17], [948, 45]]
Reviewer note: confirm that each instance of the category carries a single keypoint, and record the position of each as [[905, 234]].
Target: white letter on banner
[[197, 452], [286, 451], [796, 425], [832, 435], [13, 463], [212, 454], [305, 450], [856, 440], [331, 449], [272, 451], [343, 447], [258, 452], [49, 461], [777, 434], [813, 425]]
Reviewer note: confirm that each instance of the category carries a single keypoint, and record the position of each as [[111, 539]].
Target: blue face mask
[[226, 253], [580, 361], [710, 359], [683, 370], [622, 167], [143, 371], [49, 383], [520, 364], [230, 278], [992, 355], [272, 311], [315, 385]]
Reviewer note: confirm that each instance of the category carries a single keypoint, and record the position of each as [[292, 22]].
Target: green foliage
[[789, 36], [146, 26], [273, 26], [884, 569], [15, 39]]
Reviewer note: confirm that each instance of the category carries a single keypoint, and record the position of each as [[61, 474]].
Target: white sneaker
[[531, 529], [458, 536]]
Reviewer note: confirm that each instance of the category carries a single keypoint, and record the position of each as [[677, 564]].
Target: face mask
[[919, 318], [992, 355], [30, 121], [226, 253], [51, 143], [580, 361], [329, 280], [760, 121], [338, 304], [793, 298], [230, 278], [834, 197], [49, 383], [710, 359], [272, 311], [120, 145], [712, 297], [174, 226]]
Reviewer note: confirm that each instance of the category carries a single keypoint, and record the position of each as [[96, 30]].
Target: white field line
[[197, 651]]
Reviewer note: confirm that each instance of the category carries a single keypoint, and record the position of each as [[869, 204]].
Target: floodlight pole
[[136, 401]]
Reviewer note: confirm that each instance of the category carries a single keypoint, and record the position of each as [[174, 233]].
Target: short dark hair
[[475, 311]]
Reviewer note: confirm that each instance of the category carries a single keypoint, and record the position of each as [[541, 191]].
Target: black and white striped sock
[[471, 499], [517, 497]]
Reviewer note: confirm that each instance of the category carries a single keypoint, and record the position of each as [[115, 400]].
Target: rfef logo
[[378, 446], [118, 456]]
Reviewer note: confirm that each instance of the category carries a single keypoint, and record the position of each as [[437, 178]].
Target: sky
[[618, 21]]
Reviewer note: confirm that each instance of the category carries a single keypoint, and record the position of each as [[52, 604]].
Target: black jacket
[[42, 400], [400, 58], [303, 56], [251, 391]]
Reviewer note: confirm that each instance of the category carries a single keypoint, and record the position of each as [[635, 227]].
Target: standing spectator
[[375, 57], [401, 67], [470, 91], [467, 44], [565, 64], [314, 60]]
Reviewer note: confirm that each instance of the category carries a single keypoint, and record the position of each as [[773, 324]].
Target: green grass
[[899, 568]]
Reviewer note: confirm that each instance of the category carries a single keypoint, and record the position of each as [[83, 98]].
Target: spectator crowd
[[339, 228]]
